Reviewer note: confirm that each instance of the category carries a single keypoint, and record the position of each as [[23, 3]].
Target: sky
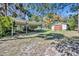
[[63, 13]]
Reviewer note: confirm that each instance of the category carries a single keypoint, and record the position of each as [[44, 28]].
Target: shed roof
[[19, 21]]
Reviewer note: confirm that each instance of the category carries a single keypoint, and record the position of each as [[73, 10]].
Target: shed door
[[58, 27]]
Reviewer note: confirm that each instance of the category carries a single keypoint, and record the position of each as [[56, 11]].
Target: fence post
[[26, 27], [12, 29]]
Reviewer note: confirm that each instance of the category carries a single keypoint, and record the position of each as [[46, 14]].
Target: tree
[[35, 18], [76, 9], [19, 10], [71, 23], [76, 19], [50, 18]]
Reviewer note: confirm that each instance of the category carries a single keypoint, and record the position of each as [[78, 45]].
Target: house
[[59, 26]]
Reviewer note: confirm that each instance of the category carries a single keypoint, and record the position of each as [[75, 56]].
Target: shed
[[59, 27], [16, 21]]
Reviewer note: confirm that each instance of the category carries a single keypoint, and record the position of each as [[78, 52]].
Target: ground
[[30, 46], [42, 46]]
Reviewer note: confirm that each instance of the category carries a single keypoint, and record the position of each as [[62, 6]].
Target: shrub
[[71, 23], [5, 25], [34, 24]]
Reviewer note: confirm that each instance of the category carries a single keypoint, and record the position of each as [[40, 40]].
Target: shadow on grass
[[53, 36], [75, 37], [37, 31]]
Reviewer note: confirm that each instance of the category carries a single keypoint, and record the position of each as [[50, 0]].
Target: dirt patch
[[39, 46]]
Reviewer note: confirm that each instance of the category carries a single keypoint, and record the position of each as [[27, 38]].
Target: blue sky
[[63, 13]]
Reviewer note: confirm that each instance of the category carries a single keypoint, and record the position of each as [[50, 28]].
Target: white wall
[[64, 26]]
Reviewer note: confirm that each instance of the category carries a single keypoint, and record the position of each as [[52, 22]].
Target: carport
[[16, 22]]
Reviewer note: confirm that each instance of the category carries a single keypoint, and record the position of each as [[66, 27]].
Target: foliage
[[76, 19], [5, 25], [24, 10], [34, 24], [35, 21], [71, 23], [35, 18], [14, 14], [50, 18], [74, 8]]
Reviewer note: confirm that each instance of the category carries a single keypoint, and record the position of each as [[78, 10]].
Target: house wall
[[59, 27], [64, 26]]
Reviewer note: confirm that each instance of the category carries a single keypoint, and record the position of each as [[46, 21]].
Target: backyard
[[62, 43], [39, 29]]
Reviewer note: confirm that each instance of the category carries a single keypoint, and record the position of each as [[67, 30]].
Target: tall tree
[[75, 8]]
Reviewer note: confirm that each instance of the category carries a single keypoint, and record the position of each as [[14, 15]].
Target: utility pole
[[78, 20], [5, 8], [26, 25]]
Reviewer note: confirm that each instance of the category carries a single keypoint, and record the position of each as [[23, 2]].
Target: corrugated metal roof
[[19, 21]]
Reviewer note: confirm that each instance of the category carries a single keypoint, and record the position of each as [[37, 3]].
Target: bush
[[35, 18], [5, 25], [71, 23], [33, 24]]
